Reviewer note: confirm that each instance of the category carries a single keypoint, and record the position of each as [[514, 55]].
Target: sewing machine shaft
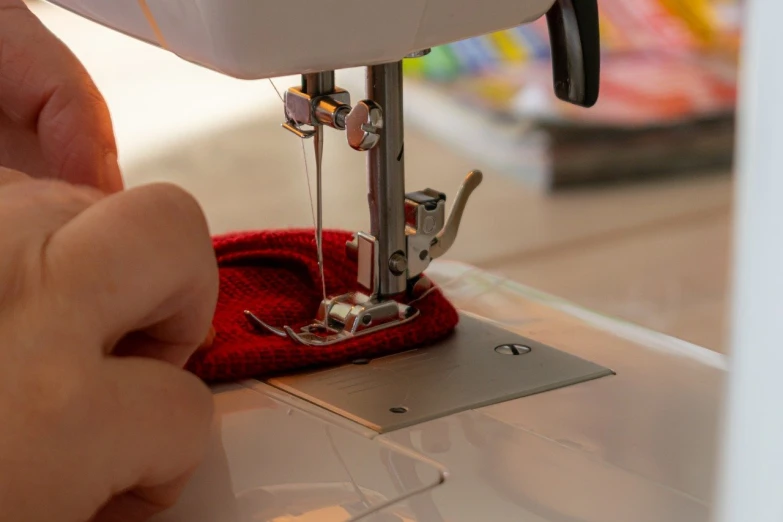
[[386, 180]]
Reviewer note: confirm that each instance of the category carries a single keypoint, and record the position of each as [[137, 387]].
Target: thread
[[277, 90], [318, 245], [145, 9]]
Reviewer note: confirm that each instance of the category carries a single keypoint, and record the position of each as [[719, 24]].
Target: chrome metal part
[[343, 317], [318, 142], [257, 323], [355, 312], [363, 125], [367, 261], [303, 108], [294, 129], [329, 111], [420, 385], [320, 82], [386, 165], [428, 234], [320, 102], [513, 349], [398, 263], [317, 102], [298, 107], [425, 214]]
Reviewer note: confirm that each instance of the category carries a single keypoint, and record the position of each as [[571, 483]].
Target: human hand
[[53, 121], [102, 301]]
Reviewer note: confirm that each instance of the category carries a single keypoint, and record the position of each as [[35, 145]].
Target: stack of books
[[667, 105]]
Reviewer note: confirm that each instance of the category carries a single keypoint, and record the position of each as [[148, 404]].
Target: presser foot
[[343, 317]]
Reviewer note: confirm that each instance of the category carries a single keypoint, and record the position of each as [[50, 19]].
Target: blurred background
[[625, 209]]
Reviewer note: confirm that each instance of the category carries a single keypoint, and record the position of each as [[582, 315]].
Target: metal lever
[[576, 50], [446, 237]]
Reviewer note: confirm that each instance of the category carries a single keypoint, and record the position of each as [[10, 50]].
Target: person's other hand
[[53, 121], [103, 298]]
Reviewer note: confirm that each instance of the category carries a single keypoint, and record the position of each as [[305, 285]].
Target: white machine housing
[[254, 39]]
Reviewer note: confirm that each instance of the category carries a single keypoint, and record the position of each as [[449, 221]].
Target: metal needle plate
[[481, 364]]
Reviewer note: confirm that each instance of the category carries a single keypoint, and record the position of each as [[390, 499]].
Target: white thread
[[276, 90], [318, 245], [457, 279]]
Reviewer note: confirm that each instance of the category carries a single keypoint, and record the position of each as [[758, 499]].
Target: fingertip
[[77, 135], [111, 180], [163, 416]]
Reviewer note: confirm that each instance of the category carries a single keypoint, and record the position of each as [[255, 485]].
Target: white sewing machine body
[[254, 39]]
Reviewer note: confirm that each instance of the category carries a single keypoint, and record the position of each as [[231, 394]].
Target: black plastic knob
[[575, 37]]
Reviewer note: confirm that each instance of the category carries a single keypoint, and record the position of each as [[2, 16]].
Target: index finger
[[45, 89], [142, 267]]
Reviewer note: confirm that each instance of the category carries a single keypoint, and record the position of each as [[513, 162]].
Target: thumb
[[160, 431]]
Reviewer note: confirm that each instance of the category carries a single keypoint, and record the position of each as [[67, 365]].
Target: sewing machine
[[546, 413], [408, 230]]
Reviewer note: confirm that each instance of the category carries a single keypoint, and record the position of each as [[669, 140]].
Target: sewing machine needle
[[318, 140]]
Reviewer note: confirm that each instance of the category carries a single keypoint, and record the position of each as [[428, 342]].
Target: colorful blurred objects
[[664, 61], [667, 104]]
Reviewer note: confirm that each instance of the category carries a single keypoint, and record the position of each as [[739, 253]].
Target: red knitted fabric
[[274, 274]]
